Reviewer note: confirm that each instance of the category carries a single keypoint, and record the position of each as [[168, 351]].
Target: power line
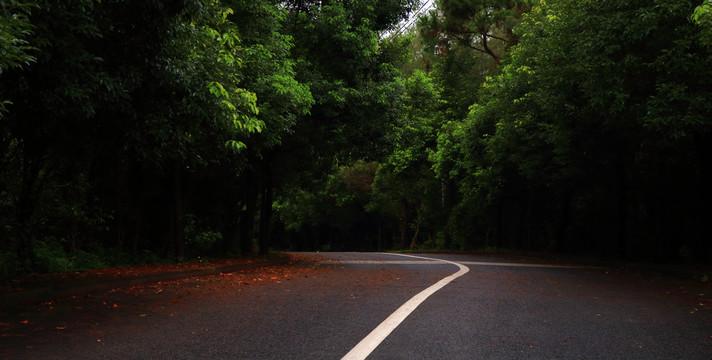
[[414, 17]]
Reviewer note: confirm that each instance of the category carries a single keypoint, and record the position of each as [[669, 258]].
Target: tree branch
[[485, 48]]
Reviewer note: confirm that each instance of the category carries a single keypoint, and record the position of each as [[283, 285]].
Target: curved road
[[426, 307]]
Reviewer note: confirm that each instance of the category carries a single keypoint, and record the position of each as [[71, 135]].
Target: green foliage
[[483, 26], [340, 59], [51, 257], [416, 133], [199, 239], [124, 117], [338, 207], [142, 130], [300, 210], [567, 134], [354, 85], [405, 188], [352, 184], [702, 16], [15, 29]]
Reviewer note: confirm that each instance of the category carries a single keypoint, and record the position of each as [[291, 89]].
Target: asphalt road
[[497, 309]]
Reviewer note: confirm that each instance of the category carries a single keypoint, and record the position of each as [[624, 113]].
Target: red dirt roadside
[[85, 312], [37, 288]]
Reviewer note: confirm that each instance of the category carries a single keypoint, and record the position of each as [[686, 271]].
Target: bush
[[50, 257], [82, 260], [200, 240]]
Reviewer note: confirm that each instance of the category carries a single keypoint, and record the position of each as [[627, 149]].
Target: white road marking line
[[554, 266], [431, 261], [372, 340], [384, 262]]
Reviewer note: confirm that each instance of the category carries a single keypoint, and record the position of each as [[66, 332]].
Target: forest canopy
[[138, 131]]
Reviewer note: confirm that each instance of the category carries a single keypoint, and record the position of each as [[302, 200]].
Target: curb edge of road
[[58, 290]]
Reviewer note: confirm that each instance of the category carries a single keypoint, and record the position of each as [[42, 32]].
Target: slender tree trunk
[[703, 229], [450, 193], [528, 222], [414, 240], [138, 224], [380, 235], [178, 212], [404, 223], [622, 208], [247, 223], [560, 241], [231, 236], [499, 235], [266, 211], [316, 236], [24, 212]]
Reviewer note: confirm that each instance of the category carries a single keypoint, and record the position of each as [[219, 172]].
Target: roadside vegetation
[[142, 131]]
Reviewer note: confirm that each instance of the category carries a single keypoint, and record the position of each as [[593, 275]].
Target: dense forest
[[137, 131]]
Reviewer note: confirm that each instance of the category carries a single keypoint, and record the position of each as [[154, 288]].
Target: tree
[[15, 28], [483, 26], [459, 72], [702, 16], [405, 187], [595, 128], [354, 85], [53, 98], [125, 102], [282, 101]]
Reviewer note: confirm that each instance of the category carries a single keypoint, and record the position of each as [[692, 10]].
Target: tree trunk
[[415, 236], [379, 246], [404, 223], [247, 223], [24, 212], [178, 212], [266, 211], [138, 224], [560, 241], [622, 208], [231, 235], [499, 234]]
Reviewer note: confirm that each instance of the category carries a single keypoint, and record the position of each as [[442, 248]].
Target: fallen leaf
[[24, 322], [61, 327]]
